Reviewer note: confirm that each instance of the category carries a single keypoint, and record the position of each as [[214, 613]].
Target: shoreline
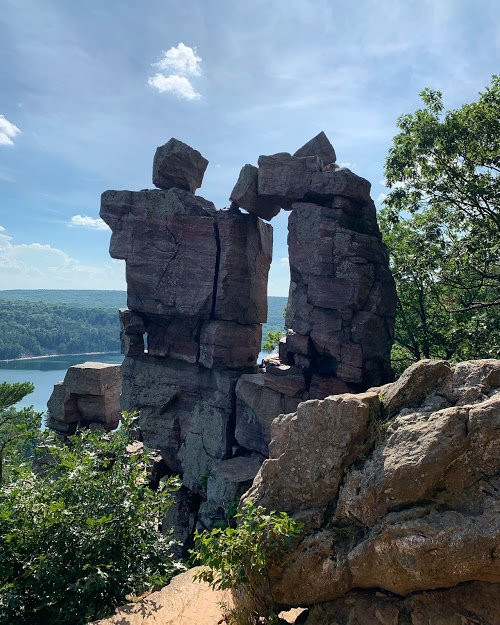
[[23, 358]]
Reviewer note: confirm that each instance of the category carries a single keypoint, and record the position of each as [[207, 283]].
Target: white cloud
[[182, 61], [8, 131], [381, 197], [176, 85], [284, 261], [42, 266], [84, 221], [2, 229]]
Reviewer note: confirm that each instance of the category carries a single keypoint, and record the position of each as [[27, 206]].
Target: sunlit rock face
[[398, 490], [89, 396]]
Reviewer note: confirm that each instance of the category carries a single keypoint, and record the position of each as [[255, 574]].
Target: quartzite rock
[[89, 394], [417, 507], [245, 195], [229, 344], [285, 178], [318, 146], [178, 165], [246, 249], [474, 603], [167, 240]]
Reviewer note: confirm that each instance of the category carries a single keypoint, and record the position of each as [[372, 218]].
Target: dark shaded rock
[[246, 248], [256, 407], [325, 185], [173, 338], [318, 146], [245, 195], [285, 178], [226, 483], [229, 344], [285, 379], [176, 164], [473, 603]]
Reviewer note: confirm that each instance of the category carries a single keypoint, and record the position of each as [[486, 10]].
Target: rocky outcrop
[[197, 298], [398, 489], [89, 396], [342, 300]]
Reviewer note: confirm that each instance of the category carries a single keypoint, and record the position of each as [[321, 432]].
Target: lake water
[[45, 372]]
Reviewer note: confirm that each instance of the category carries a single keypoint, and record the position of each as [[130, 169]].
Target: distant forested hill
[[40, 322], [37, 329]]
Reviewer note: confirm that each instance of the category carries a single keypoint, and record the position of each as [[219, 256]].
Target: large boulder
[[177, 164], [88, 396], [245, 195], [398, 491]]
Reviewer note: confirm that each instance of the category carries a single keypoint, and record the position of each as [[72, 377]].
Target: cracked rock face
[[197, 296], [398, 490]]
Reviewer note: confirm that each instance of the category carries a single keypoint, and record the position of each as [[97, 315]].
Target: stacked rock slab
[[89, 396], [197, 298], [398, 490], [342, 300]]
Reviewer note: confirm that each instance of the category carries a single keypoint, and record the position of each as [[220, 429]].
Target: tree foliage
[[441, 222], [18, 428], [79, 531]]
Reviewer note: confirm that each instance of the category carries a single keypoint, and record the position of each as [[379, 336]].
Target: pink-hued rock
[[89, 394], [284, 178], [226, 344], [246, 249], [176, 164], [245, 195], [167, 240]]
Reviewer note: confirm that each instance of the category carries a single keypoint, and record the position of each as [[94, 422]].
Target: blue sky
[[87, 93]]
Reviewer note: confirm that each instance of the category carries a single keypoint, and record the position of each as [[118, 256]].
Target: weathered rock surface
[[473, 603], [88, 396], [178, 165], [245, 195], [398, 491], [197, 296], [318, 146]]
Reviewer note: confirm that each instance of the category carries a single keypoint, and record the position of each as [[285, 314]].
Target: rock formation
[[197, 298], [342, 301], [397, 488], [89, 396]]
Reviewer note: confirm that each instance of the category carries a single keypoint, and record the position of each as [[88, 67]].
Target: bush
[[241, 555], [80, 533]]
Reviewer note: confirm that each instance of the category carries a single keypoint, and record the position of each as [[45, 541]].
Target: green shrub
[[237, 556], [272, 340], [79, 532]]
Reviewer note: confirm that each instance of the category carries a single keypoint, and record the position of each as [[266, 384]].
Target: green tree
[[17, 427], [441, 222], [79, 531], [272, 340]]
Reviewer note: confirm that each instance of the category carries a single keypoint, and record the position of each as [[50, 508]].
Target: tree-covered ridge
[[37, 329]]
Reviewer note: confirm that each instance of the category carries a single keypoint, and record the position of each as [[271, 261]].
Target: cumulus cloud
[[176, 85], [84, 221], [180, 59], [182, 62], [8, 131], [42, 266]]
